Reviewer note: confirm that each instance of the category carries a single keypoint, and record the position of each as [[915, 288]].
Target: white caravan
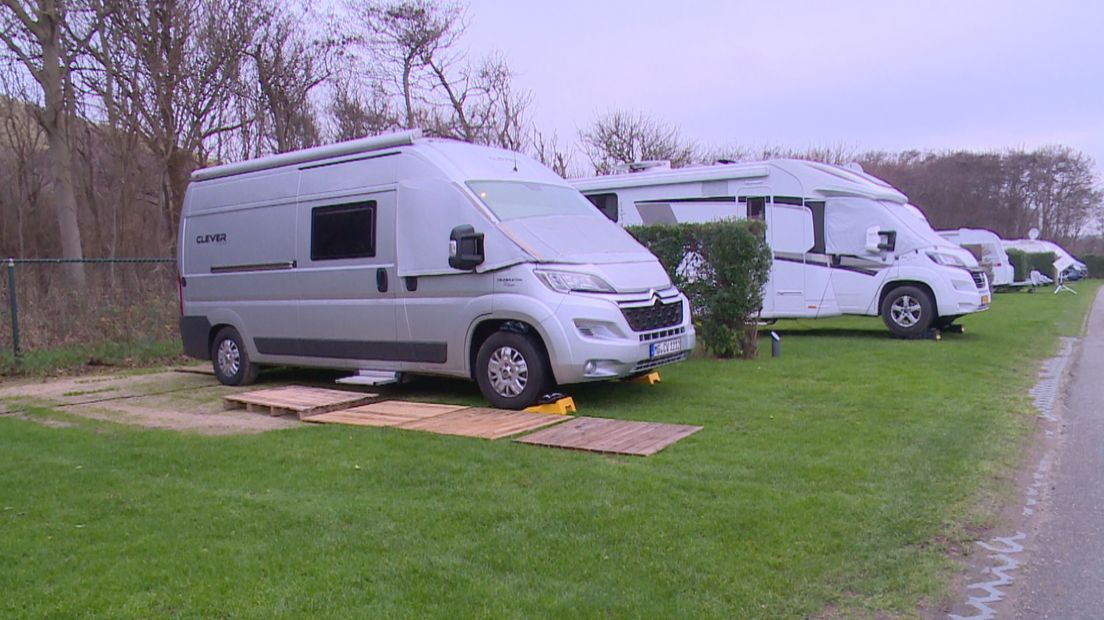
[[1065, 265], [843, 241], [987, 247], [404, 254]]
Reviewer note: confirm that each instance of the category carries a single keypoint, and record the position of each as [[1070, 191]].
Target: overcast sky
[[883, 74]]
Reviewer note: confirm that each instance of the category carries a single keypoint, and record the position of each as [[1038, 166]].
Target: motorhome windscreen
[[512, 200]]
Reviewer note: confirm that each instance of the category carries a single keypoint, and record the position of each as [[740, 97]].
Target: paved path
[[1064, 577]]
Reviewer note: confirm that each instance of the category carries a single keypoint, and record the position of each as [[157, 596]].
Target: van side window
[[606, 203], [756, 208], [343, 231]]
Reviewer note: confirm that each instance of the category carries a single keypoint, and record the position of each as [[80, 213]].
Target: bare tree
[[173, 68], [44, 37], [621, 137], [408, 34], [287, 65], [439, 87], [356, 114], [549, 152]]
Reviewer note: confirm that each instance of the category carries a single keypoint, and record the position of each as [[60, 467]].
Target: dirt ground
[[188, 401]]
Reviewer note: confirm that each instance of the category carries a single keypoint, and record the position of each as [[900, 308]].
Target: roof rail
[[351, 147]]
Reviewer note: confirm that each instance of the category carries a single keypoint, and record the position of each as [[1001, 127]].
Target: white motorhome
[[404, 254], [988, 248], [843, 242]]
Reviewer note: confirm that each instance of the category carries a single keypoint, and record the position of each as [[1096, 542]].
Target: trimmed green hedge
[[1095, 263], [722, 268], [1023, 263]]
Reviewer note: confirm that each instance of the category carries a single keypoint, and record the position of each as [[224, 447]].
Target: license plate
[[665, 348], [985, 300]]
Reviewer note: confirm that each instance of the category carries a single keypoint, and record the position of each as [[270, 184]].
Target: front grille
[[655, 316], [656, 362], [979, 277], [663, 333]]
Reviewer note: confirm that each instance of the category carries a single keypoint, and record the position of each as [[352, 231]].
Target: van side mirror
[[878, 240], [465, 248]]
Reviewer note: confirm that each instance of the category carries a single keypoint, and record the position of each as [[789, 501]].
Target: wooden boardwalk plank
[[611, 436], [483, 423], [384, 413], [296, 399]]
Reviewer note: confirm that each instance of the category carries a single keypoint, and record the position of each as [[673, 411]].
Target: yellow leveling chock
[[562, 406], [651, 378]]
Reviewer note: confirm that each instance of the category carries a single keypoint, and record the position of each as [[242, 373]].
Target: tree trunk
[[60, 161]]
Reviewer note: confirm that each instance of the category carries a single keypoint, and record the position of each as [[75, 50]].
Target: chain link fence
[[125, 300]]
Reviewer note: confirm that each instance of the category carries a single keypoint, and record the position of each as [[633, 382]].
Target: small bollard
[[776, 344]]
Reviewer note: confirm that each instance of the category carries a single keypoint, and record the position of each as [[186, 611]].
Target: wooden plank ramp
[[611, 436], [383, 413], [484, 423], [296, 400], [441, 419]]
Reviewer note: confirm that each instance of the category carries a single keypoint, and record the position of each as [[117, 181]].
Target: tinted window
[[606, 203], [756, 208], [343, 231]]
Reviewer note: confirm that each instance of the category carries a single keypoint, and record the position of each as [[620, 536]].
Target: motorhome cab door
[[347, 279], [790, 235]]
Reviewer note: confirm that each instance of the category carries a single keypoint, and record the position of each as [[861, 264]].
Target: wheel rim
[[507, 371], [229, 357], [906, 311]]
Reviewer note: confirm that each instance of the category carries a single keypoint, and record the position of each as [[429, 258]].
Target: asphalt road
[[1064, 577]]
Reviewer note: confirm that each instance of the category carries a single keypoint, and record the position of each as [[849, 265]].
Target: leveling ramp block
[[651, 378], [562, 406]]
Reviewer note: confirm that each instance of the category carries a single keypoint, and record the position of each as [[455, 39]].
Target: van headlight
[[947, 260], [567, 281]]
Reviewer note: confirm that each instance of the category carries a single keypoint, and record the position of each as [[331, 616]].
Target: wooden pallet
[[441, 419], [484, 423], [611, 436], [296, 400], [383, 413]]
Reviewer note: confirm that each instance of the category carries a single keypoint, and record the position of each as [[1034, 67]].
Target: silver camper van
[[412, 255]]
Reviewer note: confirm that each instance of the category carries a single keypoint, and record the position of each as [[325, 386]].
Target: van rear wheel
[[908, 311], [231, 360], [511, 370]]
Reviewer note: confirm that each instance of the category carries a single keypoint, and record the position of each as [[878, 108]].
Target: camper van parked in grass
[[986, 246], [843, 242], [405, 254]]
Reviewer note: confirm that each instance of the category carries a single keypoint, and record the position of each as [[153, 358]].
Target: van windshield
[[512, 200]]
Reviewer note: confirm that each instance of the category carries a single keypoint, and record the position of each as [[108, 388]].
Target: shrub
[[722, 268], [1044, 262], [1095, 263], [1018, 258], [1024, 263]]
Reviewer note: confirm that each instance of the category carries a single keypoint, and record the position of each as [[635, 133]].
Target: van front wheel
[[511, 370], [231, 360], [908, 311]]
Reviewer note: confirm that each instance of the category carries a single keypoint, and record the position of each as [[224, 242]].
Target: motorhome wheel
[[231, 360], [511, 370], [908, 311]]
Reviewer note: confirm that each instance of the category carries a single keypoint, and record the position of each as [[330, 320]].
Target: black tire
[[231, 360], [512, 370], [908, 311]]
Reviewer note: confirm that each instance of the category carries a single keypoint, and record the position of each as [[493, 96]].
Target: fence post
[[14, 310]]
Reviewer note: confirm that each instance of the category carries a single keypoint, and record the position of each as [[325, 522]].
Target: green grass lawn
[[830, 480], [139, 352]]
